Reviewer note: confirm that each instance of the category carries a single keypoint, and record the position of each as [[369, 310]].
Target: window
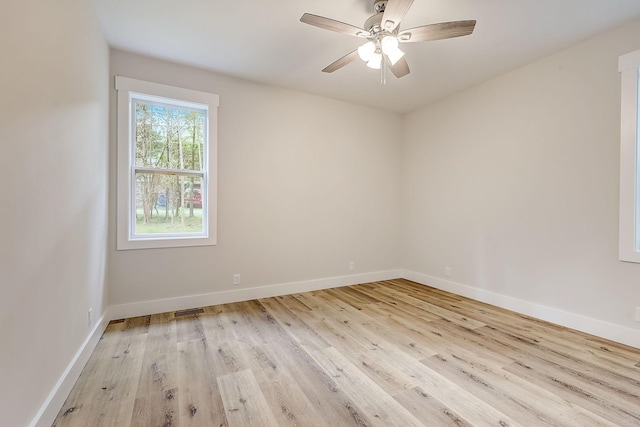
[[166, 189], [629, 66]]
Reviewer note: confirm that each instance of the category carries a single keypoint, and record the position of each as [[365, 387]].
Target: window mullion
[[161, 171]]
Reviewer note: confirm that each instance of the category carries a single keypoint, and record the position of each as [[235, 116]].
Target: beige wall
[[53, 169], [306, 185], [514, 185]]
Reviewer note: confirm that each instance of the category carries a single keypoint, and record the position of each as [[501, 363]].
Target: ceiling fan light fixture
[[366, 51], [383, 34], [376, 61]]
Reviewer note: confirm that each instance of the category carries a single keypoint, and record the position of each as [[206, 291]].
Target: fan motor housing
[[373, 23]]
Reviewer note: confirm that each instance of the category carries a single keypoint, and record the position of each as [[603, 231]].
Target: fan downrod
[[379, 5]]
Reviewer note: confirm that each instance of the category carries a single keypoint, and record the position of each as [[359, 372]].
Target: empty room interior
[[339, 213]]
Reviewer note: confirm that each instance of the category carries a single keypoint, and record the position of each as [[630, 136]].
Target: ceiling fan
[[382, 31]]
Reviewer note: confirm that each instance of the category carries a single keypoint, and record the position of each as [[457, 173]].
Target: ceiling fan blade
[[394, 11], [347, 59], [333, 25], [400, 68], [443, 30]]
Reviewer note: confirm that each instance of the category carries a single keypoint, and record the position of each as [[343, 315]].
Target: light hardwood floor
[[390, 353]]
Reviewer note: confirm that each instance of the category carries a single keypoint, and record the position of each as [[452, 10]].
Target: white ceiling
[[266, 42]]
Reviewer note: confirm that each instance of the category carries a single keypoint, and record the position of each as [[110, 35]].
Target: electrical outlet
[[638, 314], [352, 266], [447, 271], [90, 316], [236, 279]]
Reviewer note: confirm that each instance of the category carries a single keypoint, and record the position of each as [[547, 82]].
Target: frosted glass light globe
[[389, 45], [366, 50], [375, 61]]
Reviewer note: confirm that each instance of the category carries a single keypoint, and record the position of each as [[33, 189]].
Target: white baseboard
[[51, 406], [610, 331], [143, 308]]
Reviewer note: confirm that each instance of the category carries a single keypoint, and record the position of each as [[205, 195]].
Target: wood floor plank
[[298, 329], [386, 375], [228, 344], [415, 332], [330, 329], [156, 401], [384, 353], [594, 397], [189, 328], [545, 334], [78, 407], [531, 406], [365, 348], [593, 349], [281, 389], [377, 404], [461, 401], [270, 364], [200, 402], [428, 307], [368, 340], [356, 299], [106, 395], [318, 386], [367, 326], [430, 410], [243, 400], [415, 374], [623, 384]]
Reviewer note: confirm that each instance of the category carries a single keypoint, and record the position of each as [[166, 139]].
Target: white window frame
[[629, 240], [129, 89]]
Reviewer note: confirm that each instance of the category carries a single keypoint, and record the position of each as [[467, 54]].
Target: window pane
[[168, 204], [169, 137]]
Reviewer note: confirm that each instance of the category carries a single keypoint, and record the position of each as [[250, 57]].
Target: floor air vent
[[188, 312]]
